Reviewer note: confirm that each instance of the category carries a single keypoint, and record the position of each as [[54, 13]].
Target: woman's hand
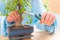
[[13, 17], [47, 19]]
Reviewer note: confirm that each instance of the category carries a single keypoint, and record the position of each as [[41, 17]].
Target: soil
[[21, 26]]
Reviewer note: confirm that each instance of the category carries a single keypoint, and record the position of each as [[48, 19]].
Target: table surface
[[44, 35], [41, 35]]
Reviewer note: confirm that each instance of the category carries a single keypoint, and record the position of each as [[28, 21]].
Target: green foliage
[[20, 5], [46, 5], [27, 22], [30, 19], [6, 14], [12, 5]]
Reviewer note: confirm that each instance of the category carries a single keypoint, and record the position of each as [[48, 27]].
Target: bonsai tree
[[21, 6]]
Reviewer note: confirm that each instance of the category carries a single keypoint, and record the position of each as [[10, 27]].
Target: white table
[[44, 35]]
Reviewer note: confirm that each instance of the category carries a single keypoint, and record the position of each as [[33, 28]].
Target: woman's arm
[[40, 9]]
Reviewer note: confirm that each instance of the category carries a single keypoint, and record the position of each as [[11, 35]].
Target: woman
[[37, 7]]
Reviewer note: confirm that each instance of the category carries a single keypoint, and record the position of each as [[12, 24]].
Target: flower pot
[[22, 30]]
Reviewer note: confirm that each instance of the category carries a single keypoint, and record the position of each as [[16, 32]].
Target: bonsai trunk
[[18, 23]]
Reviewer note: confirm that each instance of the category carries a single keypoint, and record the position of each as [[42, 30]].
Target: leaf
[[31, 19], [27, 22], [46, 5], [28, 16], [6, 14], [23, 17]]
